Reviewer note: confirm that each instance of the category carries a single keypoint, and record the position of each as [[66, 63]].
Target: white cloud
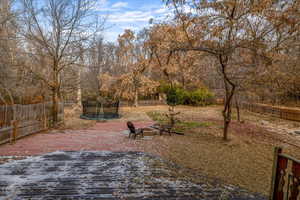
[[132, 27], [141, 15], [102, 3], [161, 10], [105, 6], [120, 4], [111, 36], [130, 16], [121, 16]]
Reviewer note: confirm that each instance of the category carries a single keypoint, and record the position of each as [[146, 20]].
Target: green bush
[[176, 95], [200, 97]]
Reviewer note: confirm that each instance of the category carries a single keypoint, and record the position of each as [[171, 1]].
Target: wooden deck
[[106, 175]]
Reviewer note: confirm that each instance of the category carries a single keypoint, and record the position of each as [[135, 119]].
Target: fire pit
[[95, 110]]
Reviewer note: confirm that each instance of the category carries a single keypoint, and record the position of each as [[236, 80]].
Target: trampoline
[[95, 110]]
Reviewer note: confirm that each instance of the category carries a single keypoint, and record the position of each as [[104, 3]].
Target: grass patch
[[158, 117], [188, 125], [180, 126], [73, 120]]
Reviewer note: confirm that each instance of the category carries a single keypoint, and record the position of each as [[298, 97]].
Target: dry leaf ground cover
[[245, 160]]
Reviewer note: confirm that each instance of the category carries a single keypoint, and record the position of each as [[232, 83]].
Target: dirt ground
[[245, 160]]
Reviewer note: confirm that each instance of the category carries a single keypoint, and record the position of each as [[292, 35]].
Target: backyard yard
[[77, 77], [245, 160]]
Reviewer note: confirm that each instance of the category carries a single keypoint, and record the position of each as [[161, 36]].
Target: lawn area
[[73, 120], [245, 160]]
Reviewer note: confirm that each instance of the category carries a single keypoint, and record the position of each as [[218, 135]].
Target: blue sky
[[130, 14]]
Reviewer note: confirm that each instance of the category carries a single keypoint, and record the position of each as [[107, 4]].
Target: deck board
[[105, 175]]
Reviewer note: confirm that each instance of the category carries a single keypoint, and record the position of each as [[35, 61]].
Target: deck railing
[[285, 177]]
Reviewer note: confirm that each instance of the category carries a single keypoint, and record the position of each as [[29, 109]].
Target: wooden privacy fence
[[285, 177], [280, 112], [20, 120]]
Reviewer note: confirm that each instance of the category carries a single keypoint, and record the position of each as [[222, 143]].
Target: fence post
[[45, 116], [13, 136], [62, 111], [277, 151], [6, 115]]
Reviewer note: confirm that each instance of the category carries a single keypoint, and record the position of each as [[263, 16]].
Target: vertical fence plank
[[277, 151], [295, 181], [285, 183]]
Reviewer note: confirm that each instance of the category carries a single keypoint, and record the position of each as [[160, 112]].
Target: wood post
[[44, 116], [277, 151], [13, 136]]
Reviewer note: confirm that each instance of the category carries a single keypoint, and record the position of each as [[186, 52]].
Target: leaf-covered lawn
[[181, 125], [246, 160]]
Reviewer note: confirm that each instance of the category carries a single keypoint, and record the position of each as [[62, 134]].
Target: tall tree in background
[[183, 67], [57, 29], [7, 51], [135, 57], [223, 29]]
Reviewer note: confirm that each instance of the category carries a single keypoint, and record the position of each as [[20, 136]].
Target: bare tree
[[7, 48], [57, 29]]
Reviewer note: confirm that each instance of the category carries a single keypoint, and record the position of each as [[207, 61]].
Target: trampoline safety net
[[95, 110]]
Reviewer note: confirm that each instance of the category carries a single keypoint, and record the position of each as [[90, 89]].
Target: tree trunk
[[55, 102], [55, 93], [225, 131], [227, 118], [136, 98], [229, 93], [160, 97], [237, 105], [79, 91], [183, 81]]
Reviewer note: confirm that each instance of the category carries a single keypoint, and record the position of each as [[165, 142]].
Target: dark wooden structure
[[95, 110], [134, 131], [285, 177]]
